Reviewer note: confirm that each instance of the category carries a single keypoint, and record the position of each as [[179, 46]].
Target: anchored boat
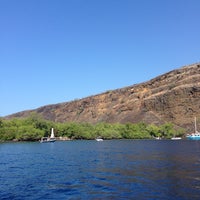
[[49, 139], [99, 139], [196, 134]]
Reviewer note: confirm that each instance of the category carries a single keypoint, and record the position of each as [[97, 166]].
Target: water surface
[[115, 169]]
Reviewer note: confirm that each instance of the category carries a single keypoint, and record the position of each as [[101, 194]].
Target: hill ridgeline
[[171, 97]]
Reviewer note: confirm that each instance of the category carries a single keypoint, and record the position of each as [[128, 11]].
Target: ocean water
[[114, 169]]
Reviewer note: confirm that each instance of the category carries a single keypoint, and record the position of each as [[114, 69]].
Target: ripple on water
[[124, 169]]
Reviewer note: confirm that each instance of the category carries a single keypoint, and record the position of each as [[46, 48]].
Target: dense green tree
[[167, 130], [1, 123], [29, 133], [34, 127], [153, 130]]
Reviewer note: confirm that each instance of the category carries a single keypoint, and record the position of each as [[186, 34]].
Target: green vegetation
[[34, 127]]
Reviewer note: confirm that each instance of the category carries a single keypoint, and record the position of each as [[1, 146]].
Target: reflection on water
[[116, 169]]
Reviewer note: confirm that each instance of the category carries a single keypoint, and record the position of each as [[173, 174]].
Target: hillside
[[172, 97]]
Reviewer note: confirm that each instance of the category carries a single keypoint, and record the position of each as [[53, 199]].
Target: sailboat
[[49, 139], [196, 134]]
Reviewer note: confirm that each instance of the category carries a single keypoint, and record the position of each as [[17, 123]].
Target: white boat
[[176, 138], [49, 139], [99, 139], [196, 134]]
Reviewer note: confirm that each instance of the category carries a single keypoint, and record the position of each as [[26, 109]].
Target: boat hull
[[46, 140], [99, 139], [176, 138], [193, 137]]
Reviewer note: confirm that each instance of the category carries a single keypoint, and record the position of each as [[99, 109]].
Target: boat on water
[[99, 139], [196, 134], [49, 139], [176, 138]]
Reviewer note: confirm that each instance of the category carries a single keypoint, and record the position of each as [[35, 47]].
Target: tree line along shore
[[34, 127]]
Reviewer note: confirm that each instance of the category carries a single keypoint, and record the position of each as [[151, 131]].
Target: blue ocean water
[[115, 169]]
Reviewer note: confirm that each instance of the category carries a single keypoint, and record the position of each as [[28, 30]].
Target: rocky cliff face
[[172, 97]]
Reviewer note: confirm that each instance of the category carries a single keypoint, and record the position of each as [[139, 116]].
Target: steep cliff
[[172, 97]]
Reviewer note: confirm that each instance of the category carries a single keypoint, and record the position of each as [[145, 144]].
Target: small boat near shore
[[176, 138], [193, 136], [99, 139], [48, 139], [196, 134]]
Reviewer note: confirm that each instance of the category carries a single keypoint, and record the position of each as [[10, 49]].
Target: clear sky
[[53, 51]]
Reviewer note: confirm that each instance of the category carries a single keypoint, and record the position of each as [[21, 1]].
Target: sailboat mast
[[195, 124]]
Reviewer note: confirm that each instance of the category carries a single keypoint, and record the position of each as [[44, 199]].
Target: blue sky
[[54, 51]]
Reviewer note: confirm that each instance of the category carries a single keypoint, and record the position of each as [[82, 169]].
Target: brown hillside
[[171, 97]]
